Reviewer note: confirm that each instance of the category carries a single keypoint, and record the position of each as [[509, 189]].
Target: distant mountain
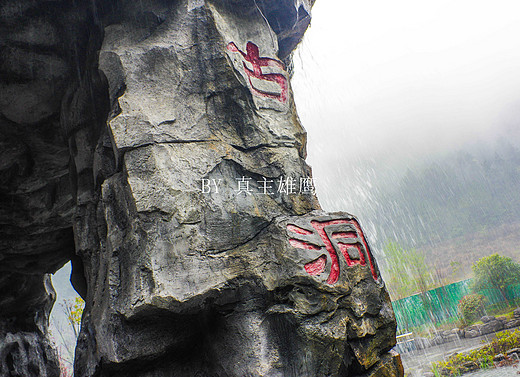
[[453, 197], [454, 209]]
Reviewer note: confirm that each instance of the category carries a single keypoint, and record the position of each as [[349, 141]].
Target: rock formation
[[156, 144]]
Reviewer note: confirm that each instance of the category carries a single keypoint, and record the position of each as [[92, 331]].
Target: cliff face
[[156, 144]]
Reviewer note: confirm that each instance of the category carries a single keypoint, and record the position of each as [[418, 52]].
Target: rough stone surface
[[513, 351], [24, 348], [491, 327], [390, 365], [156, 144], [499, 357], [472, 331], [487, 318], [512, 323], [27, 354], [470, 366]]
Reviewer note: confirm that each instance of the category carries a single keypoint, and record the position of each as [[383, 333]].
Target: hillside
[[463, 251], [453, 210]]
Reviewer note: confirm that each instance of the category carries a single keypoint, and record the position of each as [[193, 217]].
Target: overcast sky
[[403, 79]]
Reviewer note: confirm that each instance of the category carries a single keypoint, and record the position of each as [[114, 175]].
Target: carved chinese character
[[338, 237], [252, 56]]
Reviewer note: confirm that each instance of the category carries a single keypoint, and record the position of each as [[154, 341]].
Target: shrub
[[481, 358], [496, 272], [471, 308]]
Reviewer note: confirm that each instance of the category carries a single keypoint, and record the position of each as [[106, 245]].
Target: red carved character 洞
[[343, 235], [252, 56]]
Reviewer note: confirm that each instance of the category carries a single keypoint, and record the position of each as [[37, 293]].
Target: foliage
[[481, 358], [495, 272], [471, 308], [446, 204], [503, 310], [67, 329], [407, 270], [74, 311]]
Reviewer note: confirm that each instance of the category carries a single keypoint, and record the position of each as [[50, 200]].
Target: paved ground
[[418, 362], [499, 372]]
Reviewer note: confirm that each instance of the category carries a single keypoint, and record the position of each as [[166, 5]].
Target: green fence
[[440, 305]]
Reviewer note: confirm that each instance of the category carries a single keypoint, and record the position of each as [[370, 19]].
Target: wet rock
[[512, 323], [25, 349], [470, 366], [390, 365], [502, 319], [422, 343], [506, 361], [499, 357], [438, 340], [27, 354], [471, 333], [487, 318], [157, 145], [513, 351], [452, 338], [446, 336], [491, 327], [42, 43]]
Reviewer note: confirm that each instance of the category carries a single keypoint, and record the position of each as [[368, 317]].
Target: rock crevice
[[156, 144]]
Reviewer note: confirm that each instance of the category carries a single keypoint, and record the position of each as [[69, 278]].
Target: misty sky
[[398, 80]]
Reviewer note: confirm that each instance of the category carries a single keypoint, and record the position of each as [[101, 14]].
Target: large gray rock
[[491, 327], [161, 152], [27, 354], [41, 41], [512, 323], [25, 306], [487, 319], [472, 331]]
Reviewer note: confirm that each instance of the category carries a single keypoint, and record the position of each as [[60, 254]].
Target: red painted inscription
[[252, 56], [346, 235], [317, 266]]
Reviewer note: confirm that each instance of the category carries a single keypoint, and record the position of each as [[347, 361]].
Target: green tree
[[409, 274], [74, 311], [495, 272], [407, 270]]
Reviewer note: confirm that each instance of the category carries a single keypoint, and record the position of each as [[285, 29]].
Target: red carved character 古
[[252, 56]]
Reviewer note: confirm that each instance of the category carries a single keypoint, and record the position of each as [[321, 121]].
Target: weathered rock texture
[[156, 144]]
